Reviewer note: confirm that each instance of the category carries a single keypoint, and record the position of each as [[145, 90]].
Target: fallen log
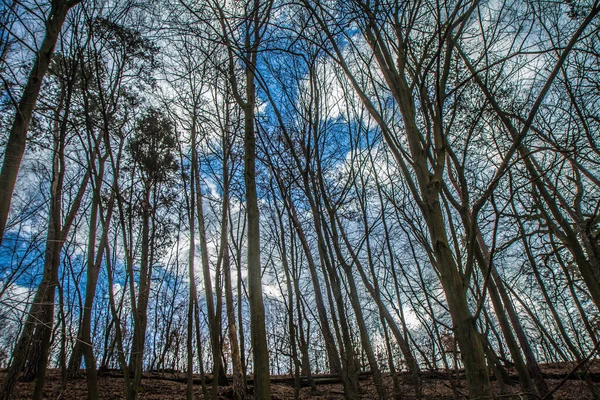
[[332, 379], [324, 379]]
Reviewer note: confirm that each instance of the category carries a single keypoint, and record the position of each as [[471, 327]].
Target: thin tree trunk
[[140, 312], [213, 325], [192, 299], [239, 388], [117, 319], [295, 369], [332, 352]]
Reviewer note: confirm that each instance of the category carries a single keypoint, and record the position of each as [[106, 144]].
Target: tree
[[15, 147], [33, 347], [152, 149], [255, 18], [105, 100]]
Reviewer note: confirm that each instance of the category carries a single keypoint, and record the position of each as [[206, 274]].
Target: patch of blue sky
[[21, 259]]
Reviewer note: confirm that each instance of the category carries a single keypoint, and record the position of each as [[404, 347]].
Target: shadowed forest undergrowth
[[562, 379]]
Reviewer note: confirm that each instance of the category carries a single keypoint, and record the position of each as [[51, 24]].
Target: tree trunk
[[239, 387], [15, 147], [258, 333], [141, 309], [213, 320], [93, 271]]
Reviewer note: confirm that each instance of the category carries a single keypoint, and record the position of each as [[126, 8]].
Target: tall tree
[[153, 155], [15, 147], [255, 19], [33, 347]]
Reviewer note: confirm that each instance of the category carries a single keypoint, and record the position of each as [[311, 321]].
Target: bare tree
[[15, 147]]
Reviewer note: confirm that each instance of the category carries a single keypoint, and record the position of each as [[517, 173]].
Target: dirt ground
[[165, 386]]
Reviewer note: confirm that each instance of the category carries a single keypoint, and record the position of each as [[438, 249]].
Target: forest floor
[[436, 385]]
